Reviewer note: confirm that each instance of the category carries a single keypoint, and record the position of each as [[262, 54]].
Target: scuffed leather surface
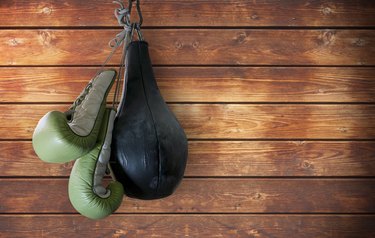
[[54, 140], [85, 183], [149, 147]]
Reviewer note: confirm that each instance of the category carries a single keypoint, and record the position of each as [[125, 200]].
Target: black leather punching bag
[[149, 147]]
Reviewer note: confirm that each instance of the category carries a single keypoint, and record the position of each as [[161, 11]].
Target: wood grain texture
[[116, 226], [277, 121], [14, 13], [202, 84], [231, 121], [281, 119], [194, 47], [229, 158], [208, 196], [280, 158]]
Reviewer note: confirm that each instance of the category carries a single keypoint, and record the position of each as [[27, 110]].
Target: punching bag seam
[[152, 116]]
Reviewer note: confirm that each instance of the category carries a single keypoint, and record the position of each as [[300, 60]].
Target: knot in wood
[[326, 10], [241, 37], [44, 8], [257, 196], [13, 42], [343, 129], [68, 165], [178, 45], [195, 44], [306, 164], [254, 17], [119, 233], [47, 10], [359, 42], [327, 37], [300, 143], [254, 231], [46, 37]]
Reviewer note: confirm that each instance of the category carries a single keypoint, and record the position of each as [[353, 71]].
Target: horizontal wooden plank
[[207, 196], [231, 121], [280, 158], [229, 158], [192, 13], [277, 121], [304, 226], [202, 84], [194, 47]]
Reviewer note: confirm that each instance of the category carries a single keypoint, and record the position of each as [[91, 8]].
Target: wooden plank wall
[[277, 99]]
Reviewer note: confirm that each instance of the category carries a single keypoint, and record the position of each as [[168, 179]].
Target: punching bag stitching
[[152, 116]]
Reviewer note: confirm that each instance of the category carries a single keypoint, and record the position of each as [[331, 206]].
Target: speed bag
[[149, 147]]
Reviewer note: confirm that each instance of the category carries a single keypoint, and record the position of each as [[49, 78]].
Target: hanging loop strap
[[123, 18], [122, 15]]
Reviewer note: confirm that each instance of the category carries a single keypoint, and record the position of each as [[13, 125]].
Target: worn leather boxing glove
[[86, 192], [61, 137], [149, 147]]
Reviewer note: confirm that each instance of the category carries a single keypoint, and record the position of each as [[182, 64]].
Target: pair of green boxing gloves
[[84, 133]]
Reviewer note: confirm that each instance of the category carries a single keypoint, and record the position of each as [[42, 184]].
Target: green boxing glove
[[62, 137], [86, 192]]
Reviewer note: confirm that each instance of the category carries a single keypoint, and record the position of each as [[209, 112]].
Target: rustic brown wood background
[[277, 99]]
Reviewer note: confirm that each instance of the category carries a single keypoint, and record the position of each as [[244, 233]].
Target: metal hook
[[138, 11]]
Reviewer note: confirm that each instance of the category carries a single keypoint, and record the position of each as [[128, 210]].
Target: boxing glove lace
[[61, 137]]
